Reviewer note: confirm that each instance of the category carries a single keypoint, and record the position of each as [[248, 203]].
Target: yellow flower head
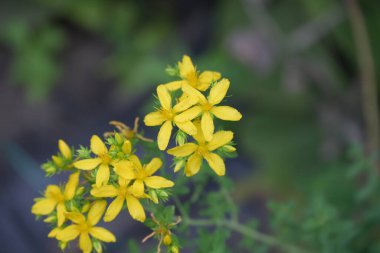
[[165, 116], [103, 160], [208, 107], [83, 227], [122, 192], [55, 199], [133, 170], [190, 76], [196, 152]]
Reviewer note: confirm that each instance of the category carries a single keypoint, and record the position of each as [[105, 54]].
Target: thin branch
[[367, 77], [264, 238]]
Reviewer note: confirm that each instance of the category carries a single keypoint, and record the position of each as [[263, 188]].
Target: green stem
[[367, 76], [246, 231]]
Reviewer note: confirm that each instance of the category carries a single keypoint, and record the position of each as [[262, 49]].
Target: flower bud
[[167, 240]]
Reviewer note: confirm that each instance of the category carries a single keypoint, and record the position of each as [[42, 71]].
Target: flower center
[[122, 191], [106, 159], [169, 115], [84, 227], [207, 107], [202, 149]]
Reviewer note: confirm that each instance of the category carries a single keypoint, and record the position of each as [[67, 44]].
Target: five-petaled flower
[[165, 116], [190, 76], [122, 192], [55, 199], [208, 107], [203, 150], [103, 160], [83, 227], [133, 170]]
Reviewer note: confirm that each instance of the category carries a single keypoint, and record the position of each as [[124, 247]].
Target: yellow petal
[[164, 135], [138, 187], [87, 164], [76, 217], [127, 147], [193, 164], [219, 139], [154, 119], [53, 233], [106, 191], [96, 211], [187, 127], [216, 163], [218, 92], [185, 103], [175, 85], [53, 191], [114, 209], [226, 113], [186, 67], [190, 91], [183, 150], [102, 234], [136, 161], [123, 182], [206, 78], [71, 186], [153, 166], [85, 243], [103, 175], [135, 208], [61, 209], [157, 182], [44, 206], [68, 233], [97, 146], [207, 124], [125, 169], [199, 136], [164, 97], [189, 114], [65, 149]]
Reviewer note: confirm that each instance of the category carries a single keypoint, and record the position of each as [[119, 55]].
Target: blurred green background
[[69, 67]]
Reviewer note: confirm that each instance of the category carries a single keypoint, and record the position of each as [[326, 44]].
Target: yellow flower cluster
[[109, 175], [113, 172], [193, 113]]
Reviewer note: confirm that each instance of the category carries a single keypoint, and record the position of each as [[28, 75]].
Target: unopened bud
[[167, 240]]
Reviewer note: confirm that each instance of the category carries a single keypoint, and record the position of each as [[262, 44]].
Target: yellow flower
[[133, 170], [165, 116], [83, 227], [203, 150], [207, 108], [190, 76], [55, 199], [103, 160], [121, 193]]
